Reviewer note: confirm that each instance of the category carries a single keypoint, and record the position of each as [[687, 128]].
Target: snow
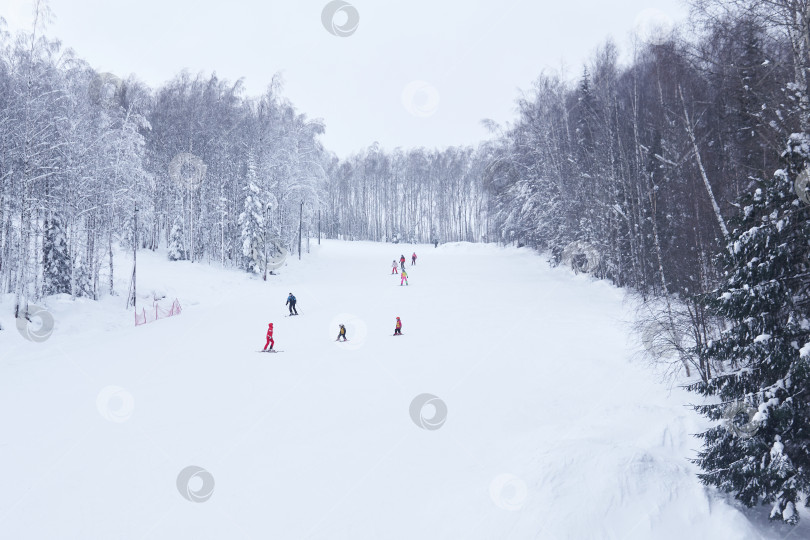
[[552, 429], [777, 448], [789, 512]]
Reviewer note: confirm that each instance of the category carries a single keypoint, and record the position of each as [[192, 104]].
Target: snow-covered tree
[[56, 272], [251, 221], [177, 249], [762, 361], [84, 280]]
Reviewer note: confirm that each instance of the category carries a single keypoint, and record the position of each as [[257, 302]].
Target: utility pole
[[266, 208], [135, 262], [300, 227], [191, 219], [133, 299]]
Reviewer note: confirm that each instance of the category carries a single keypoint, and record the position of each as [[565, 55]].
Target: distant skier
[[398, 328], [395, 271], [413, 259], [342, 333], [269, 338], [435, 243], [402, 262], [404, 278], [291, 302]]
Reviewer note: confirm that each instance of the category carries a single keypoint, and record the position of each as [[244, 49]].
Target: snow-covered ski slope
[[552, 429]]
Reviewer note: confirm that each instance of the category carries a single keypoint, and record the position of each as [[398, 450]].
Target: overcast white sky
[[413, 73]]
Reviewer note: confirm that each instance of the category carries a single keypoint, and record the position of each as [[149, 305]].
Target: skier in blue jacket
[[291, 302]]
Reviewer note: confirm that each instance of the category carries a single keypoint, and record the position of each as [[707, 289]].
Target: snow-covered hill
[[551, 430]]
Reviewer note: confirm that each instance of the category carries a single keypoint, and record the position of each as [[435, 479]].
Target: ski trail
[[551, 430]]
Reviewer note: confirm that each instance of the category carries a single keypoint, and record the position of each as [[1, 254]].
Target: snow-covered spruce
[[761, 357], [56, 259], [177, 249], [251, 221]]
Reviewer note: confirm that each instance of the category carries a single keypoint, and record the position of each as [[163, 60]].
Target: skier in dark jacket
[[291, 302], [342, 333]]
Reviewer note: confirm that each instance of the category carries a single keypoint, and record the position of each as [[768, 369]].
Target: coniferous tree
[[177, 249], [84, 281], [251, 221], [56, 259], [764, 355]]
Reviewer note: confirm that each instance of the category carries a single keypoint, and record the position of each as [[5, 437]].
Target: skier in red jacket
[[269, 338], [413, 259], [402, 261]]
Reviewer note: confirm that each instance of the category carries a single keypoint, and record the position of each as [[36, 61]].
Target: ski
[[270, 350]]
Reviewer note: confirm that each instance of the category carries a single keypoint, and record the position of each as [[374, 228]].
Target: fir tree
[[585, 116], [251, 221], [84, 281], [763, 359], [128, 238], [177, 249], [56, 259]]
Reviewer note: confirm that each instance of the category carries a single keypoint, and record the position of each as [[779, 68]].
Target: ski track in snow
[[552, 430]]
